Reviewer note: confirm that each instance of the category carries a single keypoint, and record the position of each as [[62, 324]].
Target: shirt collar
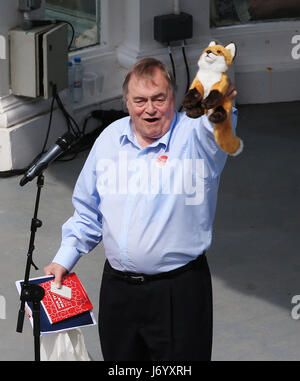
[[128, 135]]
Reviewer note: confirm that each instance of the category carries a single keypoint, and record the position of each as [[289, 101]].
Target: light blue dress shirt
[[153, 207]]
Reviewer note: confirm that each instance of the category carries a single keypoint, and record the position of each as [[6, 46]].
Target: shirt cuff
[[67, 257]]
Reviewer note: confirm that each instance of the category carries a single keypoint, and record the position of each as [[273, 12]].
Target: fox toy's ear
[[212, 43], [232, 48]]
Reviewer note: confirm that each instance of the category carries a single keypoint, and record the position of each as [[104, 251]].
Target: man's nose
[[150, 109]]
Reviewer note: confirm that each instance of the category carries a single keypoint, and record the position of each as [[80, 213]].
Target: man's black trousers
[[158, 319]]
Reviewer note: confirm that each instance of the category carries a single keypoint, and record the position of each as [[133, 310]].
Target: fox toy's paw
[[219, 115], [213, 98], [195, 112], [191, 98]]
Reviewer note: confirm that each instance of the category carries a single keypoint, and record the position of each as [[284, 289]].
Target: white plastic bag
[[64, 346]]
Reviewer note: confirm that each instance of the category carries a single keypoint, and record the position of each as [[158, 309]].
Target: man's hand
[[231, 91], [58, 271]]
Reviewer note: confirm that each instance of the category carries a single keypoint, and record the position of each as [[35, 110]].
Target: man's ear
[[125, 103]]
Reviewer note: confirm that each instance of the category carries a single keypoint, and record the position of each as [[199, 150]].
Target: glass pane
[[231, 12], [84, 15]]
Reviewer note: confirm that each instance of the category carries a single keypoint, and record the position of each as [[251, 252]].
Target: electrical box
[[39, 60], [173, 27]]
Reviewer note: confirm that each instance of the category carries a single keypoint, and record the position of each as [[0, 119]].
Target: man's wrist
[[67, 257]]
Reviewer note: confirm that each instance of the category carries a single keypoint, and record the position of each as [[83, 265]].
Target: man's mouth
[[151, 120]]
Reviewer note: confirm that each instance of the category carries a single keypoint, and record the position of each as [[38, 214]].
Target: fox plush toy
[[207, 95]]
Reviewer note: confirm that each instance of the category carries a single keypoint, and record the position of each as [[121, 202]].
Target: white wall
[[264, 70]]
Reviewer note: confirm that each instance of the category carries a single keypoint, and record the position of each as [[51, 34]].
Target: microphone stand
[[32, 292]]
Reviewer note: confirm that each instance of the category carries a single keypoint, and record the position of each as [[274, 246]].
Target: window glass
[[231, 12], [84, 15]]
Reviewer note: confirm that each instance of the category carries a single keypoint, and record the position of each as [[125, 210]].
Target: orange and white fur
[[207, 95]]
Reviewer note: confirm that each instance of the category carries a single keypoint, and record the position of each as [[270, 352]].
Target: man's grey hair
[[145, 69]]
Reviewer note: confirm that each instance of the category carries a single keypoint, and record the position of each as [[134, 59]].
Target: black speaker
[[173, 27]]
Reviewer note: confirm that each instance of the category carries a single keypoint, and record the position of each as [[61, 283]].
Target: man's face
[[151, 105]]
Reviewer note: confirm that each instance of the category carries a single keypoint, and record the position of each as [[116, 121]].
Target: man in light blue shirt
[[149, 190]]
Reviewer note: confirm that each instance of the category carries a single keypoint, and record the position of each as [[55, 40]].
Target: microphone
[[62, 144]]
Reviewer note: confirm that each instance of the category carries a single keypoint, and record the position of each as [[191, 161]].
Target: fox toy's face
[[217, 57]]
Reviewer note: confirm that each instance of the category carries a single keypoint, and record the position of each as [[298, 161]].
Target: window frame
[[255, 23], [97, 22]]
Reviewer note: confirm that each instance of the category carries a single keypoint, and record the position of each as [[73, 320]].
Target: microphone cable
[[49, 126], [69, 119]]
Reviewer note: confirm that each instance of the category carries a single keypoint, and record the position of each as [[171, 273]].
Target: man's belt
[[138, 278]]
